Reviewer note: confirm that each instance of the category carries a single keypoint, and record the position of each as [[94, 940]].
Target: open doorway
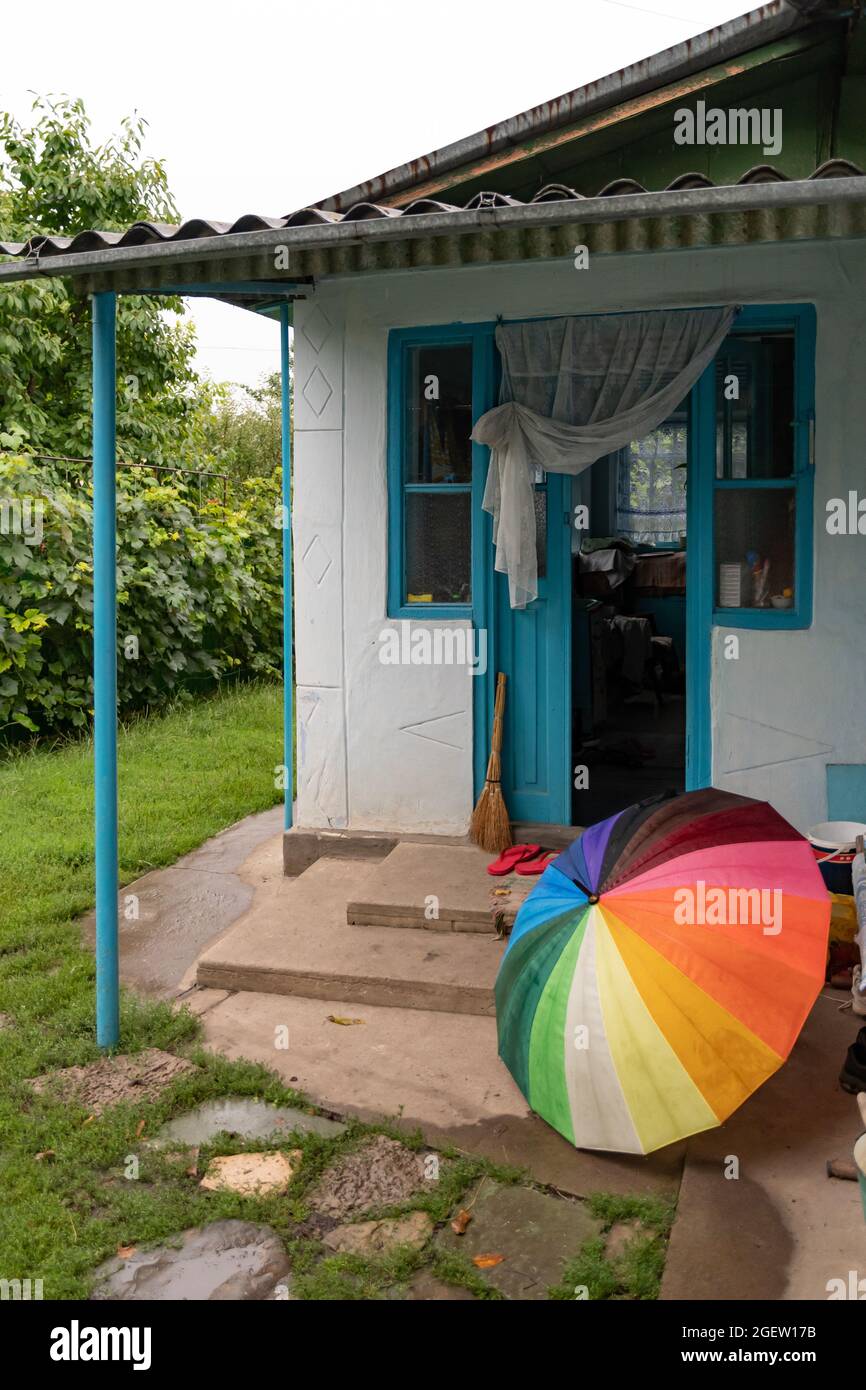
[[628, 594]]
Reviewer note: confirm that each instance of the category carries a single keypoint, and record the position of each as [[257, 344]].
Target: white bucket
[[836, 834]]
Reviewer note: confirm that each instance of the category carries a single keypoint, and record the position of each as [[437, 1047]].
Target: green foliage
[[198, 588], [636, 1272], [242, 431], [53, 180], [654, 1213]]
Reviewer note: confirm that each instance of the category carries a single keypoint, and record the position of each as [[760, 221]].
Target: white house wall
[[318, 570], [384, 747]]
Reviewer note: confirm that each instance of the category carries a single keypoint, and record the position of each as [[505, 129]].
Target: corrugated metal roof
[[724, 43], [764, 206], [149, 233], [360, 230]]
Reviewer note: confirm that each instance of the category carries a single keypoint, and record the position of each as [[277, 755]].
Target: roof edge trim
[[727, 198]]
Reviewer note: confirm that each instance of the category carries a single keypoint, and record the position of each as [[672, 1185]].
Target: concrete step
[[438, 888], [295, 940]]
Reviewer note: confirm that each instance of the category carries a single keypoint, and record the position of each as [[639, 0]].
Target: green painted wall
[[818, 80]]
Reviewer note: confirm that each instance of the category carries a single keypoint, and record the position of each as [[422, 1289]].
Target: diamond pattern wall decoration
[[316, 560], [318, 391], [317, 329]]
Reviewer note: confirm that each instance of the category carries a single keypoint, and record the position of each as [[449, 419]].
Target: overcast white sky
[[265, 107]]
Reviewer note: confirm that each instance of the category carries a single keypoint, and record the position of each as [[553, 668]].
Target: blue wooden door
[[533, 648]]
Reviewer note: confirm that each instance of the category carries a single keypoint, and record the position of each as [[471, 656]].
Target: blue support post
[[288, 673], [105, 668]]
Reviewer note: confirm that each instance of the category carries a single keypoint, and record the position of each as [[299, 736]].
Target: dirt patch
[[114, 1080], [381, 1173]]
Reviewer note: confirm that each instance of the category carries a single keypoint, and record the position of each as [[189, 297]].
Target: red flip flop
[[529, 868], [511, 857]]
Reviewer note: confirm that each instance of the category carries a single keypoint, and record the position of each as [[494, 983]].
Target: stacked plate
[[733, 585]]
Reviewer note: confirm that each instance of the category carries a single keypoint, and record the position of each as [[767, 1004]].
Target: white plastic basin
[[836, 834]]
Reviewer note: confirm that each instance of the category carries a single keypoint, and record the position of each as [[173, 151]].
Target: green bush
[[198, 592]]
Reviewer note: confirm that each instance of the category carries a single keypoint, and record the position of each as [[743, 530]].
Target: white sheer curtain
[[574, 390]]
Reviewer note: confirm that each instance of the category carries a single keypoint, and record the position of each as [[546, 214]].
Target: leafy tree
[[54, 180], [199, 592], [242, 431]]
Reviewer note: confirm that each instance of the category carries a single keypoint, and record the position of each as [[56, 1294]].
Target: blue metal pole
[[288, 675], [105, 668]]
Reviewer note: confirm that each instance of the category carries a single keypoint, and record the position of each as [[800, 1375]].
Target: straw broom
[[490, 826]]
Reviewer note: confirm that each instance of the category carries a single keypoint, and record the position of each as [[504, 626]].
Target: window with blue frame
[[762, 471], [651, 486], [430, 475]]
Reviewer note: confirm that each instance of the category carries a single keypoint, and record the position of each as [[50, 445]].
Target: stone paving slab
[[235, 1260], [399, 890], [538, 1234], [379, 1237], [250, 1119], [252, 1173], [426, 1288]]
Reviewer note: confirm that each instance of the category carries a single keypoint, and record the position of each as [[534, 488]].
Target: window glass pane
[[438, 547], [755, 547], [439, 415], [755, 407], [651, 486]]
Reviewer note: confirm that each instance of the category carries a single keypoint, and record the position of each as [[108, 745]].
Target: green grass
[[183, 775], [636, 1273]]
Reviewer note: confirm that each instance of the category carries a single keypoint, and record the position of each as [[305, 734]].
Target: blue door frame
[[701, 613], [401, 342]]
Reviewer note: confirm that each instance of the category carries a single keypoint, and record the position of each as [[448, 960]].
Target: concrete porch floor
[[276, 952]]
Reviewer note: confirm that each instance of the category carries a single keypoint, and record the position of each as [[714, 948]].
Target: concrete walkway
[[779, 1230], [434, 1069], [187, 906]]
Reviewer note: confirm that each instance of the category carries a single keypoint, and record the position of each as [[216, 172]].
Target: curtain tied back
[[574, 390]]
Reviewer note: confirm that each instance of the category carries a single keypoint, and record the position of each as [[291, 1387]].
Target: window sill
[[766, 619], [441, 611]]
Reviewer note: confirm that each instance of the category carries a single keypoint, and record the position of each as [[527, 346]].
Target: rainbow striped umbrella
[[662, 969]]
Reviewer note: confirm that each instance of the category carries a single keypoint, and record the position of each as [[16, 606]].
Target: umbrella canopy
[[662, 969]]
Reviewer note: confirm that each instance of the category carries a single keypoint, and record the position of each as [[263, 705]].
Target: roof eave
[[215, 258]]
